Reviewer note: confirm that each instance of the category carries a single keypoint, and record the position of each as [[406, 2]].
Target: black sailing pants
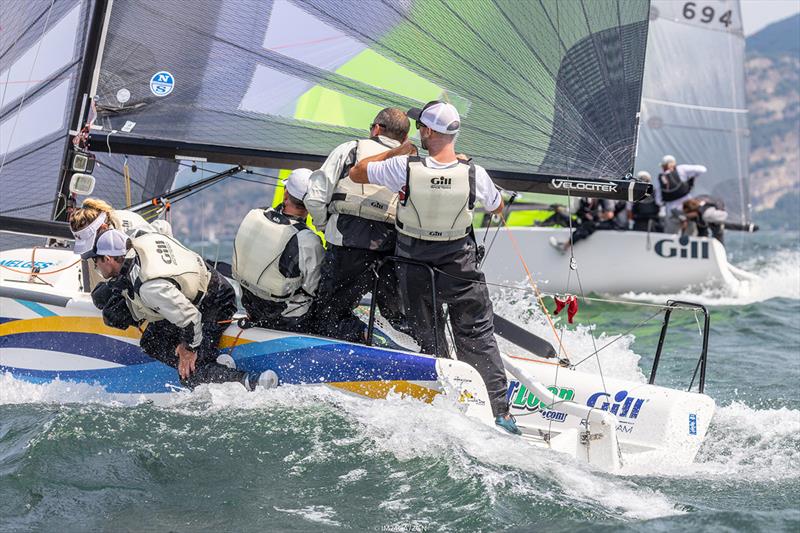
[[160, 339], [346, 276], [469, 307]]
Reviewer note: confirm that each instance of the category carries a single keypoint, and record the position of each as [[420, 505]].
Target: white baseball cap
[[111, 242], [644, 175], [668, 160], [84, 238], [297, 183], [438, 116]]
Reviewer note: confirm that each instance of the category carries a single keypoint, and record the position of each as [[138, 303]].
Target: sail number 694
[[706, 14]]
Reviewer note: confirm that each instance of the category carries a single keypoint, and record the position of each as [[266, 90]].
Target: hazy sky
[[759, 13]]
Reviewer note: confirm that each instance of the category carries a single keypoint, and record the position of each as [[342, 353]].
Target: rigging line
[[23, 32], [516, 247], [621, 336], [24, 94], [594, 341], [23, 208], [115, 171]]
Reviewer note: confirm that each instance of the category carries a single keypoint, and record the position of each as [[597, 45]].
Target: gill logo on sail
[[586, 186]]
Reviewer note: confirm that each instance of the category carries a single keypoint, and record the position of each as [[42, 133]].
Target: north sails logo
[[586, 186]]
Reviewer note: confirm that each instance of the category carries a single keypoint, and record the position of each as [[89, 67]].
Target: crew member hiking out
[[672, 188], [277, 260], [434, 223], [186, 303], [593, 214], [708, 214], [358, 220]]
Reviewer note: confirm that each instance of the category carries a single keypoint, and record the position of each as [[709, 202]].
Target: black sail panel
[[546, 89]]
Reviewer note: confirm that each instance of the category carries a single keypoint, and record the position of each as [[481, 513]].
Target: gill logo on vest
[[164, 252], [671, 248], [441, 183]]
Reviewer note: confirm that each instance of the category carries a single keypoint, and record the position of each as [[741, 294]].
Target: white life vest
[[257, 250], [365, 200], [129, 222], [162, 257], [438, 203]]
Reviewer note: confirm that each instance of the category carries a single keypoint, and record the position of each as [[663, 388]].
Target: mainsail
[[547, 89], [42, 49], [693, 104]]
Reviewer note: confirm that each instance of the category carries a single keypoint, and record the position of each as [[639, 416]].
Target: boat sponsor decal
[[672, 248], [519, 397], [584, 186], [26, 263], [626, 408], [692, 424], [162, 83]]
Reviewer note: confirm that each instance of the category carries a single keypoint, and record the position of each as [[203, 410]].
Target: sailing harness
[[673, 187]]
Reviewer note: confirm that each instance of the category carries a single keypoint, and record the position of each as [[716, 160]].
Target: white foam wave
[[406, 429], [778, 277]]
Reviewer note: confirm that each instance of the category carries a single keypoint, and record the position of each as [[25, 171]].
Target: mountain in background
[[773, 98]]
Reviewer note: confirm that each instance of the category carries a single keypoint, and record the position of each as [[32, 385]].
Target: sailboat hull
[[54, 333], [613, 262]]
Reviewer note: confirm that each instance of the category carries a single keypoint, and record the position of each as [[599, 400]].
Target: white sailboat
[[174, 84], [693, 107]]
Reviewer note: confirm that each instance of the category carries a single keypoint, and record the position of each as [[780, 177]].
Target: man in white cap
[[672, 188], [645, 214], [277, 260], [437, 196], [358, 220], [186, 303]]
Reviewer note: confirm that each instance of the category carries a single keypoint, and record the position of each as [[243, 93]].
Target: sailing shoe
[[508, 423], [557, 245], [225, 359]]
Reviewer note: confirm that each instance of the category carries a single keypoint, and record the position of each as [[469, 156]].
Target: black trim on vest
[[472, 191]]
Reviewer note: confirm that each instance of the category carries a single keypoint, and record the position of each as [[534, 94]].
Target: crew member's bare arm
[[359, 172]]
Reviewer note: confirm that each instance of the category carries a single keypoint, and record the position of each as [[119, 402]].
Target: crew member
[[645, 214], [358, 220], [593, 214], [187, 304], [708, 214], [672, 187], [96, 215], [277, 260], [434, 224]]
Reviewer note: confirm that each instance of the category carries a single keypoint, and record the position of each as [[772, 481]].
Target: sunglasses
[[377, 124], [420, 125]]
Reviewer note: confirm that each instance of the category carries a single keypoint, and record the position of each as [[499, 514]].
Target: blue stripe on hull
[[296, 360]]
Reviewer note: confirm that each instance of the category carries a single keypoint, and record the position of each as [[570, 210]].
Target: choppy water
[[72, 459]]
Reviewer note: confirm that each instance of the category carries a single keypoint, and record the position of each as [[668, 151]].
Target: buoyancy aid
[[365, 200], [673, 187], [646, 209], [437, 204], [260, 242], [128, 221], [162, 257]]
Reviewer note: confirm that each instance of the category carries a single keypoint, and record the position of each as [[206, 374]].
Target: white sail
[[693, 99]]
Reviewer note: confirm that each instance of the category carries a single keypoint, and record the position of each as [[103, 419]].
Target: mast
[[86, 82]]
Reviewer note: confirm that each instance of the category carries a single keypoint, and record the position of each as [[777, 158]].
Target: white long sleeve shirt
[[323, 182], [163, 297], [685, 172]]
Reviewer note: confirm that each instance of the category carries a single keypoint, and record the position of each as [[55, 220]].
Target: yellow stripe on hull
[[381, 389]]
